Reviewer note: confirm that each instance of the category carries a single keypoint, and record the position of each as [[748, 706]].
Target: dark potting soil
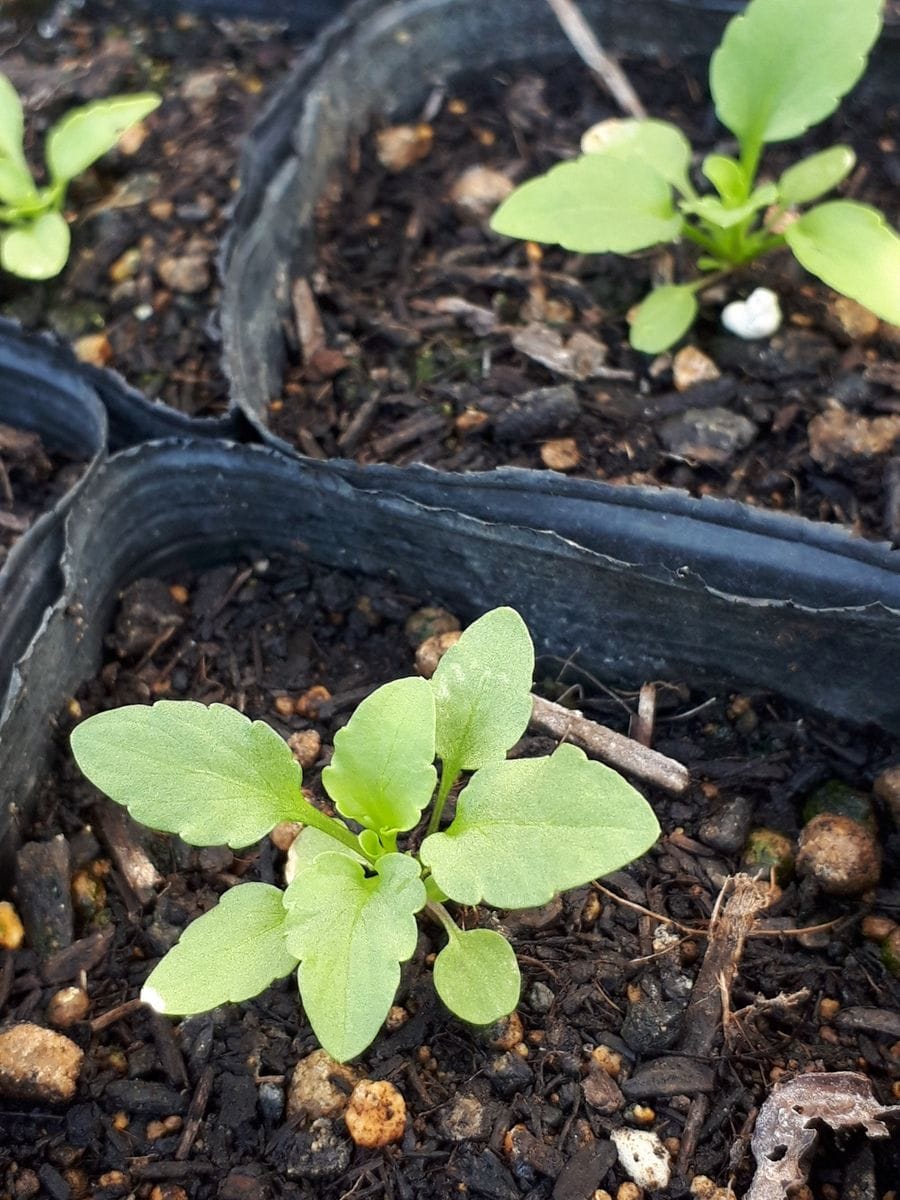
[[442, 340], [31, 481], [196, 1108], [140, 291]]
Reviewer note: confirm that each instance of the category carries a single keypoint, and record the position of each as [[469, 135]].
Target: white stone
[[758, 316], [643, 1156]]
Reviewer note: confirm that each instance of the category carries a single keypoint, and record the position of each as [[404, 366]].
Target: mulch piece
[[31, 481], [442, 343], [140, 291], [196, 1107]]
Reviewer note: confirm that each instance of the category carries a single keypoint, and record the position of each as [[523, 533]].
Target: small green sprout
[[523, 830], [782, 67], [35, 244]]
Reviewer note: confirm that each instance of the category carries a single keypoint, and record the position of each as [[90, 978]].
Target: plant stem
[[435, 909], [449, 774], [696, 235], [309, 815]]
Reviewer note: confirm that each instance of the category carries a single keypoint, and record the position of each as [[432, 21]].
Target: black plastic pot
[[635, 590], [385, 58], [301, 16], [39, 392]]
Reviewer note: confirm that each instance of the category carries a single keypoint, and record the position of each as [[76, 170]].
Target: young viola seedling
[[35, 241], [523, 830], [782, 67]]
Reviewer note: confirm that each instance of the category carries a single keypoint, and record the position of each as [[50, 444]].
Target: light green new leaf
[[351, 932], [482, 692], [726, 176], [725, 216], [12, 123], [232, 953], [382, 773], [16, 185], [208, 774], [665, 316], [593, 204], [530, 827], [87, 133], [814, 176], [306, 848], [477, 976], [851, 247], [38, 250], [783, 65], [659, 144]]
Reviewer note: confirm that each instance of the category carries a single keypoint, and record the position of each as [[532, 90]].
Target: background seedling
[[523, 830], [782, 67], [35, 242]]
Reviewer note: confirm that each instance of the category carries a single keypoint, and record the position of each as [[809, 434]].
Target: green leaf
[[382, 773], [665, 316], [306, 848], [482, 692], [477, 976], [208, 774], [727, 177], [37, 250], [725, 216], [87, 133], [851, 247], [12, 123], [659, 144], [16, 185], [784, 66], [593, 204], [530, 827], [231, 954], [814, 176], [351, 932]]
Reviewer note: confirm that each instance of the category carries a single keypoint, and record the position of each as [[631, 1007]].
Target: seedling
[[523, 830], [782, 67], [35, 244]]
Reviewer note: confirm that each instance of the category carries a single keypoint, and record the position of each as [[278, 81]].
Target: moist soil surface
[[442, 340], [31, 481], [197, 1107], [140, 291]]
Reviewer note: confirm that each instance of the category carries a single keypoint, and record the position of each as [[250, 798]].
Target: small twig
[[589, 50], [620, 751], [113, 1015], [195, 1113]]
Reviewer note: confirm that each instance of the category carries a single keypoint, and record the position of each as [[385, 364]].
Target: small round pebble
[[842, 857], [376, 1114], [67, 1007], [433, 649]]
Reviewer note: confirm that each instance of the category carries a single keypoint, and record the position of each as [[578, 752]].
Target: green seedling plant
[[781, 68], [523, 830], [34, 233]]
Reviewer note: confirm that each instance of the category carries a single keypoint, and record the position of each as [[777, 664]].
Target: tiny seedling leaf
[[715, 212], [659, 144], [351, 931], [665, 316], [87, 133], [12, 123], [477, 976], [593, 204], [814, 176], [37, 250], [209, 774], [851, 247], [527, 828], [16, 184], [726, 176], [482, 692], [382, 773], [783, 65], [230, 954]]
